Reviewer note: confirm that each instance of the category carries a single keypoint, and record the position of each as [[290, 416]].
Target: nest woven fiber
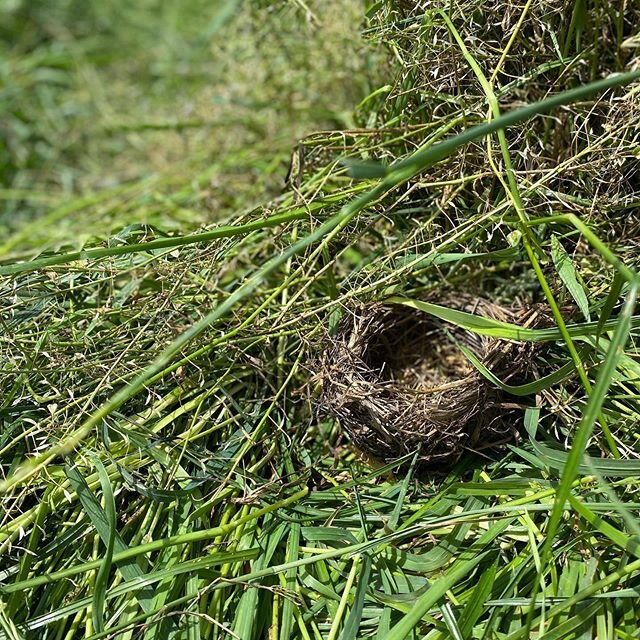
[[397, 382]]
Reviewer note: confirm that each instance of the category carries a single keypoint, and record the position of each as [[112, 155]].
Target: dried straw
[[397, 382]]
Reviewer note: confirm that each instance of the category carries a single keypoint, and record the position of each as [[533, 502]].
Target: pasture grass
[[166, 471]]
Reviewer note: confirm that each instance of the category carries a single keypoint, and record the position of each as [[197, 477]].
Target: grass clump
[[164, 471]]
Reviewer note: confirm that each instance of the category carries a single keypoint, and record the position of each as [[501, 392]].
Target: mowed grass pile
[[166, 471]]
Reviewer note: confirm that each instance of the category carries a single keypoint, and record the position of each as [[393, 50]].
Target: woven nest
[[398, 383]]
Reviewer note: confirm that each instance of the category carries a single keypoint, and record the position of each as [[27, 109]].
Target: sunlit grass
[[167, 471]]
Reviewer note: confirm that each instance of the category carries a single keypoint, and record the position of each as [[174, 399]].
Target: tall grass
[[165, 469]]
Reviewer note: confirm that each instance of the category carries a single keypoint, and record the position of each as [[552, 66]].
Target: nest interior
[[397, 381]]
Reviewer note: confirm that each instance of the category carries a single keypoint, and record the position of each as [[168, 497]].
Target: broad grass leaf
[[474, 607], [569, 276], [506, 330]]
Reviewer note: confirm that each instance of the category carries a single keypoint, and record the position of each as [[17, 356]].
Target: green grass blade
[[585, 428], [352, 623], [499, 329], [474, 608], [551, 379], [568, 275], [129, 569], [102, 578], [424, 158]]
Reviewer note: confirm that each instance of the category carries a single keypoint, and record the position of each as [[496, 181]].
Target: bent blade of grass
[[611, 468], [557, 459], [425, 157], [398, 174], [529, 388], [499, 329]]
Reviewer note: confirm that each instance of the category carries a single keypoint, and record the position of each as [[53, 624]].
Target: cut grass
[[164, 470]]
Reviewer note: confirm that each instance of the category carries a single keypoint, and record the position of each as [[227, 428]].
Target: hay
[[397, 382]]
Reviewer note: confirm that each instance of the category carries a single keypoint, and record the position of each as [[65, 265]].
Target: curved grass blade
[[505, 330], [556, 458], [610, 468], [561, 374], [423, 158], [465, 564], [102, 578]]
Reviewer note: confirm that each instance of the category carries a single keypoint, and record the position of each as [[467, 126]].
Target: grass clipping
[[397, 381]]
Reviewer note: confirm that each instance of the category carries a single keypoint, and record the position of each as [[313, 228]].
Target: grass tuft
[[166, 292]]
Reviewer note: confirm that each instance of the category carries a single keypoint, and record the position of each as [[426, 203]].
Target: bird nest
[[397, 381]]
